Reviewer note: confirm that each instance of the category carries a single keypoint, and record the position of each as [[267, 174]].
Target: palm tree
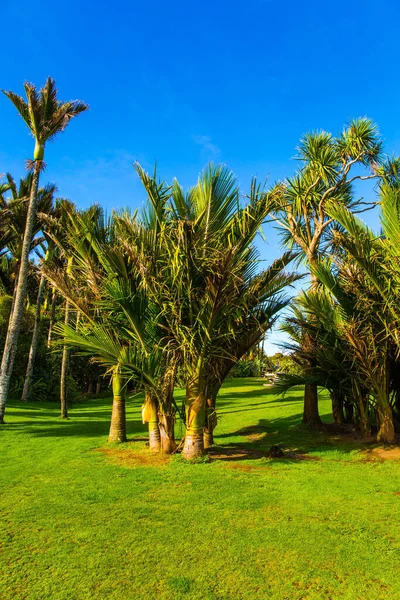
[[67, 232], [45, 116], [325, 177], [109, 351], [203, 279]]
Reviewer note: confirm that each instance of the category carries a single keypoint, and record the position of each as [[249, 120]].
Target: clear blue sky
[[188, 82]]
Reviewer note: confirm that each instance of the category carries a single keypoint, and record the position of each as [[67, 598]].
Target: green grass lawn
[[77, 523]]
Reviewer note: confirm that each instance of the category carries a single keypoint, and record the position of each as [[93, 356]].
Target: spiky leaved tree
[[209, 261], [258, 307], [45, 116], [329, 166]]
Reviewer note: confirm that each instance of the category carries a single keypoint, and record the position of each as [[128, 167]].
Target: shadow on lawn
[[90, 419], [291, 437]]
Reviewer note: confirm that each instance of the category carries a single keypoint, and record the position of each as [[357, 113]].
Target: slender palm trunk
[[26, 393], [337, 407], [166, 421], [211, 417], [64, 369], [311, 416], [52, 316], [118, 416], [154, 429], [195, 418], [14, 326]]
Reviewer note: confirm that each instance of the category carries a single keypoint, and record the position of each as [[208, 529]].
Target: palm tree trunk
[[311, 416], [14, 326], [154, 430], [167, 433], [211, 418], [195, 417], [386, 432], [64, 369], [337, 407], [166, 420], [26, 393], [52, 316], [118, 417]]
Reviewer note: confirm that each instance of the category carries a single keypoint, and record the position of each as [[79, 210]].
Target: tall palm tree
[[45, 116], [330, 165], [67, 232]]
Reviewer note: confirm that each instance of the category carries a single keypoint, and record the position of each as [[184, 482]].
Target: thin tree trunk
[[26, 393], [14, 326], [166, 418], [337, 407], [118, 416], [349, 412], [211, 419], [311, 416], [154, 430], [195, 418], [64, 369], [52, 316]]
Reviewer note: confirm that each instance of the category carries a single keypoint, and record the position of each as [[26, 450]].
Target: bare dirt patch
[[384, 453], [131, 457]]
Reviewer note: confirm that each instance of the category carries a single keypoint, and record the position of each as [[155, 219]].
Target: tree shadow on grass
[[291, 437], [89, 419]]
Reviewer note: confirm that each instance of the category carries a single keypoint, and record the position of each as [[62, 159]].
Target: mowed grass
[[77, 523]]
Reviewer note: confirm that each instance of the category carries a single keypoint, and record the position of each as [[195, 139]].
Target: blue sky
[[184, 83]]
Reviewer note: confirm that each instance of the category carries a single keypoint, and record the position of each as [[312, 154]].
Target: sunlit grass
[[82, 524]]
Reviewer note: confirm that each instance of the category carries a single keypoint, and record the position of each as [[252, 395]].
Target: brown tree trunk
[[337, 407], [166, 407], [26, 393], [14, 325], [386, 433], [211, 418], [118, 416], [311, 416], [167, 433]]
